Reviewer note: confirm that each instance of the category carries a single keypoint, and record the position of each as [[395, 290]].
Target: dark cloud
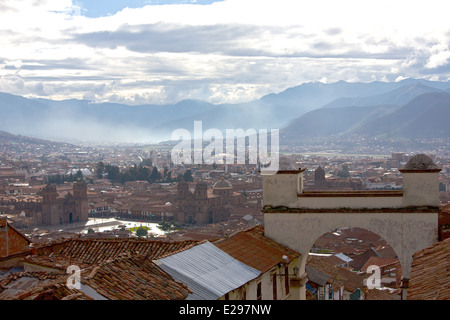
[[69, 64], [235, 40]]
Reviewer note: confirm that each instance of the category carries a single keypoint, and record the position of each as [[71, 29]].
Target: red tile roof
[[380, 262], [430, 273], [115, 268], [126, 277], [339, 277], [92, 251], [251, 247], [133, 278], [35, 285]]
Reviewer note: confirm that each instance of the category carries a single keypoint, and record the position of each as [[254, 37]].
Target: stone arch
[[406, 233], [406, 219]]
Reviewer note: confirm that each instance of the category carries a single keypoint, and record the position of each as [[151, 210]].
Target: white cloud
[[228, 51]]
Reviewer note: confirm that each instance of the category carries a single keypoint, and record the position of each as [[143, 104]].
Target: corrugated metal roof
[[208, 271], [343, 257]]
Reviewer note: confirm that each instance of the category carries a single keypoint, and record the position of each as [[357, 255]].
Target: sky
[[229, 51]]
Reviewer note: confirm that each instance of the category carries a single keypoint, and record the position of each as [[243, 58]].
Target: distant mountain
[[313, 95], [278, 110], [6, 138], [398, 97], [325, 122], [81, 120], [425, 116]]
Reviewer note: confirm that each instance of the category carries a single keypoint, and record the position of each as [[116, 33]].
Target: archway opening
[[352, 263]]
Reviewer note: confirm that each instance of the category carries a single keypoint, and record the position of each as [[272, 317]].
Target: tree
[[100, 169], [166, 170], [141, 232], [143, 173], [113, 172], [155, 175], [344, 173], [169, 177], [188, 176], [147, 162], [79, 174]]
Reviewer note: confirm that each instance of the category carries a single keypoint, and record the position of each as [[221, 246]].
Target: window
[[274, 286], [286, 279], [258, 292]]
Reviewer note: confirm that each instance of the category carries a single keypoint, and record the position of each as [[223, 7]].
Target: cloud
[[222, 51], [159, 37]]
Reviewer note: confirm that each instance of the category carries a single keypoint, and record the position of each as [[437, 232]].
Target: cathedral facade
[[64, 210], [202, 206]]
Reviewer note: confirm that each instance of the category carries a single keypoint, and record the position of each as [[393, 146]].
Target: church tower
[[81, 201], [319, 178], [201, 189], [183, 190], [50, 208], [201, 203], [79, 190]]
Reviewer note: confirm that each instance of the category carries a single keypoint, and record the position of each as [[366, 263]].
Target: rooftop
[[430, 274], [254, 249], [222, 184], [420, 162], [132, 277], [92, 251], [208, 271]]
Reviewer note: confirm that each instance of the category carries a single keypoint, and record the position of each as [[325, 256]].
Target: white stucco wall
[[421, 189], [266, 281], [281, 189], [349, 202]]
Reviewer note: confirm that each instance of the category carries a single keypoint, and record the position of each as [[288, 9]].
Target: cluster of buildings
[[231, 219]]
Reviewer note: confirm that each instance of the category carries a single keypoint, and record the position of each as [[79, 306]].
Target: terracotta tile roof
[[54, 261], [360, 260], [339, 277], [133, 278], [334, 260], [380, 262], [126, 277], [92, 251], [35, 285], [251, 247], [52, 291], [430, 273], [376, 294], [114, 268]]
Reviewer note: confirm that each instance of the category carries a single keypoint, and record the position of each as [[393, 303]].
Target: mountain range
[[407, 108]]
